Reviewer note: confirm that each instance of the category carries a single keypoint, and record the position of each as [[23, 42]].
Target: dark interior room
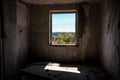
[[59, 39]]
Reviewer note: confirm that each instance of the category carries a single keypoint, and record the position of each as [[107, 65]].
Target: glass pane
[[63, 28]]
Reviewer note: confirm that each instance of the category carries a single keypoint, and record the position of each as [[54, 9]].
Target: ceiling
[[57, 1]]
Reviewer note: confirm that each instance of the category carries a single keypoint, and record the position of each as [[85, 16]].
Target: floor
[[56, 71]]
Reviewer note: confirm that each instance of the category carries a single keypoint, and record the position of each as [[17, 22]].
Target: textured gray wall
[[15, 41], [88, 34], [110, 55], [22, 33], [10, 41], [1, 65]]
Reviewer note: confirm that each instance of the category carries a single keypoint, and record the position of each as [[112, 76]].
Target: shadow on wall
[[88, 34]]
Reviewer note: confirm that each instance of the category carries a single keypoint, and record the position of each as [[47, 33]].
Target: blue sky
[[63, 22]]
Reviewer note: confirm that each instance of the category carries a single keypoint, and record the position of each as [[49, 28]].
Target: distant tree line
[[63, 38]]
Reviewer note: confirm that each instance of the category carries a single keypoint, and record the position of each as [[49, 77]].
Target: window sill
[[65, 45]]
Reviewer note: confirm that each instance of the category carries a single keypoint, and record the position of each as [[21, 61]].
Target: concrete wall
[[0, 47], [111, 37], [22, 33], [88, 34], [15, 41], [10, 40]]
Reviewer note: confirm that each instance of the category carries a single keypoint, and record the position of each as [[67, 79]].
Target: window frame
[[50, 26]]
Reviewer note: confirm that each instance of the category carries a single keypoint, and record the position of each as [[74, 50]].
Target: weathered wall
[[111, 37], [22, 33], [0, 45], [15, 38], [88, 34], [10, 41], [1, 37]]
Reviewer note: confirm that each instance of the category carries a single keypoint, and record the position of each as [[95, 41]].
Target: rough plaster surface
[[111, 37], [88, 34], [10, 53], [22, 33], [22, 14], [14, 42]]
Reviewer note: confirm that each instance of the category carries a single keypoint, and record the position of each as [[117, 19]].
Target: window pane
[[63, 28]]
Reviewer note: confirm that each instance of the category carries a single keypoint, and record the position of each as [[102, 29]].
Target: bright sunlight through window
[[63, 27], [57, 67]]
